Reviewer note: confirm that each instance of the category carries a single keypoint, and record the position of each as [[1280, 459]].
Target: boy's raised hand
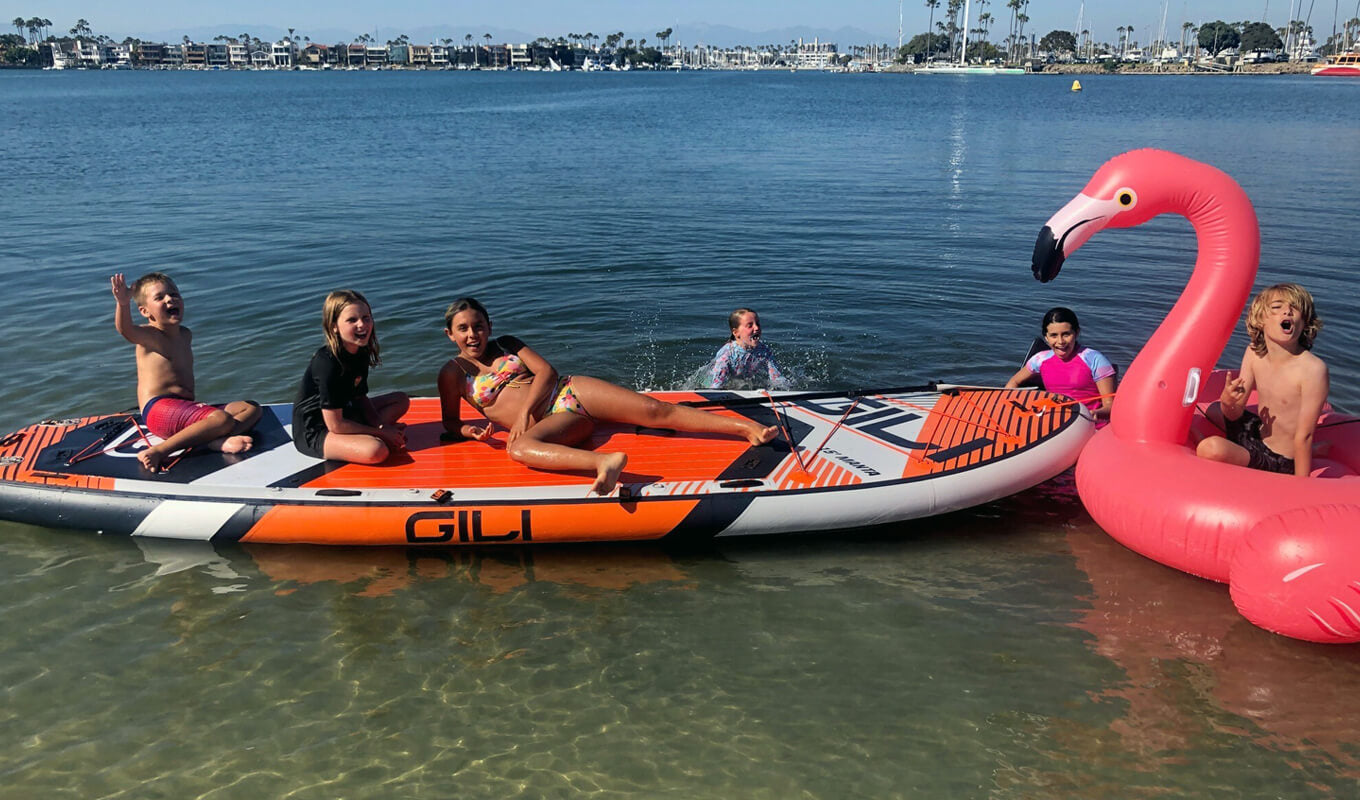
[[121, 293]]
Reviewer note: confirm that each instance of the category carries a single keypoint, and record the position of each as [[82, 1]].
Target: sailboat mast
[[1081, 17], [963, 51]]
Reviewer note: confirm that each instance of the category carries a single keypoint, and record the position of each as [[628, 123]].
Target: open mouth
[[1287, 325]]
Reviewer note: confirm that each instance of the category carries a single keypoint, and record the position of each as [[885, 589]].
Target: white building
[[284, 53], [817, 55]]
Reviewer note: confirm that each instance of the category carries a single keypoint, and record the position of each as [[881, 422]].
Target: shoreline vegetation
[[1211, 48]]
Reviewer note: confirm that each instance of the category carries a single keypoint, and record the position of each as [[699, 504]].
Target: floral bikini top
[[481, 389]]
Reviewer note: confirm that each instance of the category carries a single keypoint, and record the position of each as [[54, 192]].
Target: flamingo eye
[[1127, 198]]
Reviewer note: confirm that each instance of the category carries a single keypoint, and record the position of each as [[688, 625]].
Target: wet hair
[[1296, 296], [734, 319], [335, 304], [460, 305], [1060, 314], [139, 285]]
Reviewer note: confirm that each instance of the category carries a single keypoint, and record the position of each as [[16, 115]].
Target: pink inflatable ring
[[1289, 546]]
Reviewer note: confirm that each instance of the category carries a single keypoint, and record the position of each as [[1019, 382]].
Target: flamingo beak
[[1048, 256], [1065, 232]]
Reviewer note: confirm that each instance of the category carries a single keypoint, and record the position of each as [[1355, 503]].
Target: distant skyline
[[875, 20]]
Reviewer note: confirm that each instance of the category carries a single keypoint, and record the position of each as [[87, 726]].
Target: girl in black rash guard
[[333, 416]]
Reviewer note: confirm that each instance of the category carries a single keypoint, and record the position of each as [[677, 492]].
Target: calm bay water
[[882, 225]]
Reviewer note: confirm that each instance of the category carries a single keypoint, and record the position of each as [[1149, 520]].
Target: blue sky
[[553, 17]]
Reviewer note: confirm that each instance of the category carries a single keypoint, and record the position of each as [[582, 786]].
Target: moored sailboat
[[962, 67]]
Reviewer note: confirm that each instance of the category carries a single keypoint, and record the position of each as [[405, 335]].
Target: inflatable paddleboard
[[841, 461]]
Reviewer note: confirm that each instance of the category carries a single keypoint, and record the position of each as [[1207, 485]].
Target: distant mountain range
[[688, 35]]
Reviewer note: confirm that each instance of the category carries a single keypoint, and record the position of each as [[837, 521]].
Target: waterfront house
[[283, 54], [261, 59], [498, 56], [218, 56], [80, 54], [62, 57], [439, 56], [315, 56], [410, 55], [517, 56], [237, 56], [356, 55], [376, 55], [195, 55], [148, 54]]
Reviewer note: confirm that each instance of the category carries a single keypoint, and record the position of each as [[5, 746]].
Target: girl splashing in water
[[549, 415], [745, 361], [1068, 368]]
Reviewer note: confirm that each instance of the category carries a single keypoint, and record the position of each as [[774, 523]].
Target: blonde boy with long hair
[[1291, 385]]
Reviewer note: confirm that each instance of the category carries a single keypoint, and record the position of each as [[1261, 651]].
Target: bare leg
[[1216, 448], [245, 413], [604, 400], [356, 448], [550, 444], [391, 406], [213, 428]]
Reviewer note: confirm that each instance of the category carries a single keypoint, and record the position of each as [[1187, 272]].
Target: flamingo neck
[[1199, 325]]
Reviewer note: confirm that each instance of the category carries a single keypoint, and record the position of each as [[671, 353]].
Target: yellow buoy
[[1076, 86]]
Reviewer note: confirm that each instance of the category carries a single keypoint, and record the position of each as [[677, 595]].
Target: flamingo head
[[1119, 195]]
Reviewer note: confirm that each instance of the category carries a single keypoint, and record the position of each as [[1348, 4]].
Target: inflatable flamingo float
[[1288, 546]]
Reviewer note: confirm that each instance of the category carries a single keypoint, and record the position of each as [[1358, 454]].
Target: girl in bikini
[[548, 415], [1068, 368]]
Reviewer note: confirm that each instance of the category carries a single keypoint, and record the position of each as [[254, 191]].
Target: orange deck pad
[[967, 416], [653, 456], [26, 444]]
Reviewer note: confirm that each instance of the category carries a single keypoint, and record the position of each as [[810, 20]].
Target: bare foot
[[151, 459], [237, 444], [758, 435], [607, 474]]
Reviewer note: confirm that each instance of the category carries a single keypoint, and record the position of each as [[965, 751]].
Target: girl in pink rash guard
[[1069, 368]]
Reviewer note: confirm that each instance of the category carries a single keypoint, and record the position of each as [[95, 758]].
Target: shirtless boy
[[1291, 386], [165, 375]]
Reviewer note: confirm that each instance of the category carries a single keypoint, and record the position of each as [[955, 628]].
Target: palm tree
[[18, 24], [930, 25], [487, 37], [953, 9]]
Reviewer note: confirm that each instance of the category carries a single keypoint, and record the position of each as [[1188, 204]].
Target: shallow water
[[882, 225]]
